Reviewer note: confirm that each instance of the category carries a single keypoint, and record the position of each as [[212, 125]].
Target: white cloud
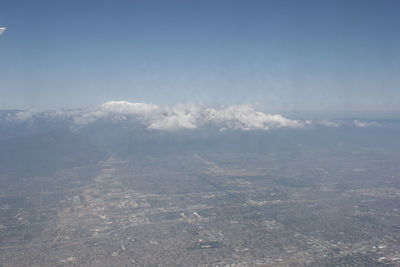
[[115, 111], [244, 117], [240, 117], [181, 116], [124, 107], [24, 115], [177, 117], [328, 123], [32, 114], [363, 124]]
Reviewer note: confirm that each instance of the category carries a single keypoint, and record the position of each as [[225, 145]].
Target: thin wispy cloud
[[363, 124], [328, 123]]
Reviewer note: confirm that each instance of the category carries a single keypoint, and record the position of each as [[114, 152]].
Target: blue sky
[[280, 55]]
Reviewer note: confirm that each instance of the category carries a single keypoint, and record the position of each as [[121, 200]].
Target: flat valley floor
[[311, 208]]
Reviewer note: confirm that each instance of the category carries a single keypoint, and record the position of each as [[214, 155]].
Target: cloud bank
[[181, 116]]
